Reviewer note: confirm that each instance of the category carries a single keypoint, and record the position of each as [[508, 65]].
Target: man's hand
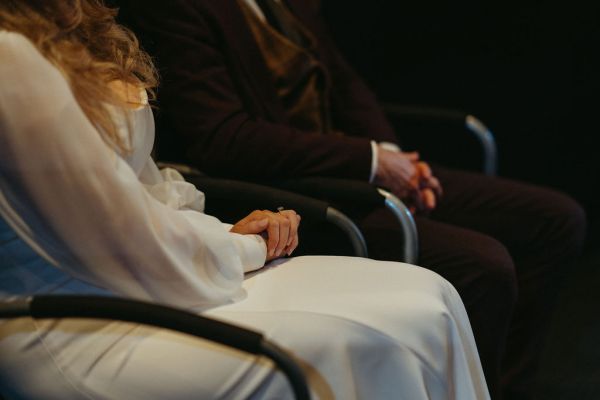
[[397, 171], [430, 189], [280, 229], [408, 178]]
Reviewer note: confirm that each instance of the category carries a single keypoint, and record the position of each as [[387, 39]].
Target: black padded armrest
[[425, 113], [462, 122], [110, 308], [234, 200], [324, 229], [250, 196], [345, 194], [239, 198]]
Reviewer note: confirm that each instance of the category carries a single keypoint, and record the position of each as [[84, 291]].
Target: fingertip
[[292, 248], [429, 199]]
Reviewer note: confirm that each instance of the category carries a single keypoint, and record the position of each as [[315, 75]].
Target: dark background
[[529, 70]]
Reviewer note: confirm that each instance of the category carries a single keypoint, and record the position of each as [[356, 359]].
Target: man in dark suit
[[257, 90]]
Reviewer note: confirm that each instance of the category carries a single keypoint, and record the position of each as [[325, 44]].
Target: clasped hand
[[279, 229], [409, 178]]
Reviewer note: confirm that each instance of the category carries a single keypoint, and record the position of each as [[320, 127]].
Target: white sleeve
[[69, 195], [170, 188]]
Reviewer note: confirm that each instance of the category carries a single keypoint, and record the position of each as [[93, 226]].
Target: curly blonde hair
[[82, 39]]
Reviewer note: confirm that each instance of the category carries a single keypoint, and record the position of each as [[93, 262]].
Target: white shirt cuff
[[374, 160], [390, 146]]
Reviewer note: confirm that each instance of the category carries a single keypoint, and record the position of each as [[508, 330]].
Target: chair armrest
[[224, 194], [301, 195], [407, 224], [352, 195], [110, 308], [465, 121], [231, 200]]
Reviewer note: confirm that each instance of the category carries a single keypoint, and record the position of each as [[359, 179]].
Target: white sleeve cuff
[[252, 249], [374, 160]]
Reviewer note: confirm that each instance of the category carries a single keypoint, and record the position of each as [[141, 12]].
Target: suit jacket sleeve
[[200, 96]]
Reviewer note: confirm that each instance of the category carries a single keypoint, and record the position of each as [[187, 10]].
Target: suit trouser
[[506, 247]]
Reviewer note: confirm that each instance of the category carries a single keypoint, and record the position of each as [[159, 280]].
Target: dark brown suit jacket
[[218, 107]]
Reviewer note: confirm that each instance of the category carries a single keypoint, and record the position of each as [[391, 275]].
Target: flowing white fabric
[[56, 168], [114, 224]]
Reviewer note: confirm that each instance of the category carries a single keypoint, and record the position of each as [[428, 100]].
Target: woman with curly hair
[[84, 210]]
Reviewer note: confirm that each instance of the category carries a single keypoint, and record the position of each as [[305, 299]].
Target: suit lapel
[[239, 36]]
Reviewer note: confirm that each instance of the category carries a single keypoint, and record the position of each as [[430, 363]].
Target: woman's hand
[[280, 228]]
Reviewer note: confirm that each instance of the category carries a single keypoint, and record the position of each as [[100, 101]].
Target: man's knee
[[568, 218], [493, 269]]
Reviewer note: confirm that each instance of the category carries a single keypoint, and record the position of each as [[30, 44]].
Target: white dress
[[79, 218]]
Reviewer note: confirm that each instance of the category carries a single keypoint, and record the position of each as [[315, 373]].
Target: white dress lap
[[77, 217]]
